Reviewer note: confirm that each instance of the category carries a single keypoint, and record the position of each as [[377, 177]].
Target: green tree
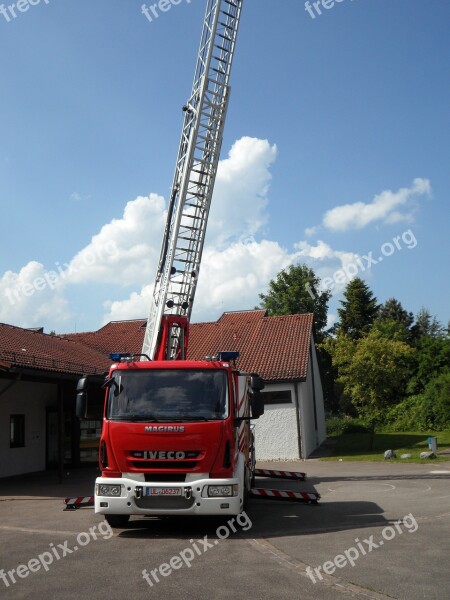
[[393, 310], [432, 359], [427, 325], [373, 370], [393, 330], [395, 321], [436, 401], [359, 310], [296, 290]]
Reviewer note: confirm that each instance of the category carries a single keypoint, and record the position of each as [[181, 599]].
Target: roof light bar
[[120, 356], [227, 356]]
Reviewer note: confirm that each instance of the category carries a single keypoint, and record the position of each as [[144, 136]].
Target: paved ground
[[392, 521]]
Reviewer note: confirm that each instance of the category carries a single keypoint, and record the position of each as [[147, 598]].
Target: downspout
[[297, 418], [314, 390], [60, 433]]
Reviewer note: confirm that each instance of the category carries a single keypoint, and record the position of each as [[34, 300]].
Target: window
[[168, 395], [17, 431], [277, 397]]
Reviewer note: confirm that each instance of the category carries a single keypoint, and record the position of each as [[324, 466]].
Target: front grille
[[154, 454], [164, 464], [164, 477], [164, 502]]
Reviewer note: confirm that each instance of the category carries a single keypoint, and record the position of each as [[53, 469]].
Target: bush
[[338, 425], [408, 415], [427, 411], [437, 401]]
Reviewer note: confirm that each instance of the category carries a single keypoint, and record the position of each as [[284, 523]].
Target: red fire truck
[[176, 437]]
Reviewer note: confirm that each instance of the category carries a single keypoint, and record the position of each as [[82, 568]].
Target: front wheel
[[117, 520]]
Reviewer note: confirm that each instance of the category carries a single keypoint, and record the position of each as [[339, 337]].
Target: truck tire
[[117, 520]]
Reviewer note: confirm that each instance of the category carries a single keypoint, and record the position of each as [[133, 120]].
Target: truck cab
[[176, 438]]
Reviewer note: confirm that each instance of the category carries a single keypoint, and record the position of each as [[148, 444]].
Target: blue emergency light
[[227, 356], [118, 356]]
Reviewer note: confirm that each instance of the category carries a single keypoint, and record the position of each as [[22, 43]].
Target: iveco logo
[[164, 428], [162, 455]]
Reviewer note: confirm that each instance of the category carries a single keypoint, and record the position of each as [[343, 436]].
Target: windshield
[[168, 395]]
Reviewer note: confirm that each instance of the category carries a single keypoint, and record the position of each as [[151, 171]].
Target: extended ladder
[[195, 173]]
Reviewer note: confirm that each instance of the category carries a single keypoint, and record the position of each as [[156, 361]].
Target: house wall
[[31, 400], [276, 431], [312, 426]]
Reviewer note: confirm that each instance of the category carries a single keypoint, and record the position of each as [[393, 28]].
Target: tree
[[296, 290], [373, 370], [436, 401], [394, 311], [433, 358], [427, 325], [359, 310]]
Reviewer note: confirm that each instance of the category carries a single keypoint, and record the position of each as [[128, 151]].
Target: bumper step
[[79, 502], [307, 497], [280, 474]]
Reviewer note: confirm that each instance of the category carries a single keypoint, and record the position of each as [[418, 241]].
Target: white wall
[[312, 436], [276, 431], [31, 400]]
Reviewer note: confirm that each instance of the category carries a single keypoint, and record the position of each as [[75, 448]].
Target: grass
[[355, 446]]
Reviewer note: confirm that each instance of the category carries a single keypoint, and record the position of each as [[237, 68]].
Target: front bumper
[[191, 501]]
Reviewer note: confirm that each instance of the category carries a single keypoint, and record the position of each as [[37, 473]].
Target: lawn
[[355, 446]]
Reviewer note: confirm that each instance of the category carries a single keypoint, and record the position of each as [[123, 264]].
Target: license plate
[[162, 491]]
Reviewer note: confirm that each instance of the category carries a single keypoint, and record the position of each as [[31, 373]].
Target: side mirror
[[256, 383], [82, 398], [257, 404]]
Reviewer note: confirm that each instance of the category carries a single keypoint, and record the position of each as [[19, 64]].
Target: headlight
[[222, 490], [107, 489]]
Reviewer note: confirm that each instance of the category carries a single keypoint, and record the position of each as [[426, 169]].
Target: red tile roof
[[116, 336], [36, 350], [275, 347]]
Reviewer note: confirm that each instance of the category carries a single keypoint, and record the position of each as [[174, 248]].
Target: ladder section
[[195, 173]]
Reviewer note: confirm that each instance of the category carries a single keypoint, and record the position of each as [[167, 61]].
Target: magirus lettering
[[164, 428]]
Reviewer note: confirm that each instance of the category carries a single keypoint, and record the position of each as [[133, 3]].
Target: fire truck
[[176, 436]]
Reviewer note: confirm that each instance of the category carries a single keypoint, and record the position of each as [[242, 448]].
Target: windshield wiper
[[189, 418], [148, 419]]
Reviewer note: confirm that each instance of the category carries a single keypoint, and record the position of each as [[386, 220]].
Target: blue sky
[[338, 130]]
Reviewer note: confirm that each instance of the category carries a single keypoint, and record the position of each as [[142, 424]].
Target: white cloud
[[124, 252], [235, 268], [310, 231], [32, 297], [240, 196], [326, 262], [230, 279], [136, 306], [384, 208]]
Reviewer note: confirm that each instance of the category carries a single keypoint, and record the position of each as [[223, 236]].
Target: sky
[[335, 154]]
